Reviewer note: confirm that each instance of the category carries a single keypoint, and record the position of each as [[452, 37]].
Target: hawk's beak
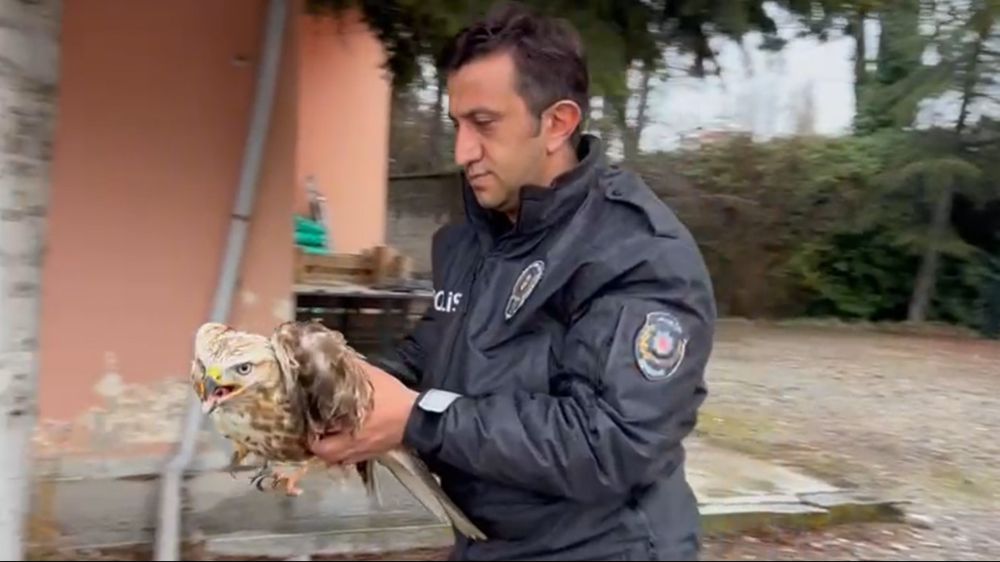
[[214, 391], [208, 401]]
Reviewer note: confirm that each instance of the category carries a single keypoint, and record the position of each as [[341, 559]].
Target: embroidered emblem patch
[[660, 346], [525, 284]]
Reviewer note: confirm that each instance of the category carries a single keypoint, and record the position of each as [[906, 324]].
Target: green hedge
[[812, 226]]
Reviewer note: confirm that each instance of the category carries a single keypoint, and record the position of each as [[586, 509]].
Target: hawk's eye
[[244, 369]]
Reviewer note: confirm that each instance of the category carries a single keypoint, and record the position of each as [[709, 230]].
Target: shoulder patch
[[660, 346], [525, 284]]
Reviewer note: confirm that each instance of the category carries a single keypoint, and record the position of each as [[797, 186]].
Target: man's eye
[[244, 368]]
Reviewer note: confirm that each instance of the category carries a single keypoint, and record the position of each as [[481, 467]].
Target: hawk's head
[[228, 362]]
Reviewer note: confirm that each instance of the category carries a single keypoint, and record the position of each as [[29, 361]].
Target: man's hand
[[383, 429]]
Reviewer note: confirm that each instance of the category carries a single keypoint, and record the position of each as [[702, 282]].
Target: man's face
[[497, 141]]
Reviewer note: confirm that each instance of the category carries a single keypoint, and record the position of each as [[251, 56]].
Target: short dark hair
[[548, 54]]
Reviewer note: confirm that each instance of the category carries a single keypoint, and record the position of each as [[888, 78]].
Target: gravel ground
[[849, 542], [905, 416]]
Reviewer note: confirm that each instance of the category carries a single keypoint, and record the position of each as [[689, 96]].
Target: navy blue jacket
[[560, 367]]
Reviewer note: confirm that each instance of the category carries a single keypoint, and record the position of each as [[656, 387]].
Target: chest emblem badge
[[660, 346], [525, 284]]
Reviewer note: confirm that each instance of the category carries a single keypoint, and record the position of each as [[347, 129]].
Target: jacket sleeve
[[630, 383]]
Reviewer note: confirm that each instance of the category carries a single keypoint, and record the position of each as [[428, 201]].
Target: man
[[562, 362]]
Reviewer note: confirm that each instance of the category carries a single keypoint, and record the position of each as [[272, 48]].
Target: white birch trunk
[[29, 65]]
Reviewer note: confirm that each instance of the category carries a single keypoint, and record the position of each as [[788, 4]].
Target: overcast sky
[[765, 92], [758, 91]]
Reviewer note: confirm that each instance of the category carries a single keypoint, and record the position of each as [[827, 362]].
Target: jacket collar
[[541, 207]]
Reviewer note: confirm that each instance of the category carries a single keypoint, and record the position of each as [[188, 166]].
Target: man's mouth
[[473, 178]]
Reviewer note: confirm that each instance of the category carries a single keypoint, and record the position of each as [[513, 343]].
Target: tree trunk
[[860, 63], [438, 148], [923, 289], [633, 135], [607, 125], [29, 56]]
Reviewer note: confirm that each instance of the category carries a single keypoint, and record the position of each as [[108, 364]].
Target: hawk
[[270, 395]]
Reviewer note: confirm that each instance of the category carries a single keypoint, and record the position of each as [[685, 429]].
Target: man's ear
[[561, 121]]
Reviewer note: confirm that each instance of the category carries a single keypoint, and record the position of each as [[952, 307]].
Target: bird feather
[[307, 381]]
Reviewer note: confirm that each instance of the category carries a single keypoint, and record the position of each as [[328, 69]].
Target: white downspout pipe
[[168, 529]]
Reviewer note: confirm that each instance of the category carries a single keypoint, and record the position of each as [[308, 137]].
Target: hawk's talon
[[267, 477], [257, 480], [288, 482]]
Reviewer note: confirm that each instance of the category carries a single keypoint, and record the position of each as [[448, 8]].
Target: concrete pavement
[[113, 503]]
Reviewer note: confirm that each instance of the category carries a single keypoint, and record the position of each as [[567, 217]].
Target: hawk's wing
[[324, 376]]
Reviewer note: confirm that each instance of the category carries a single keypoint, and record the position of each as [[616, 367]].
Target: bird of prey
[[270, 395]]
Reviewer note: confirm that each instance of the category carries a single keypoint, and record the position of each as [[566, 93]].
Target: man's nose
[[468, 149]]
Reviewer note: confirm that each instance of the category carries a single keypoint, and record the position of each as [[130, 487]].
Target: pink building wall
[[153, 113], [344, 108]]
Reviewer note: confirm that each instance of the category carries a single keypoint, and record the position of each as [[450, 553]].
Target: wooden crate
[[373, 267]]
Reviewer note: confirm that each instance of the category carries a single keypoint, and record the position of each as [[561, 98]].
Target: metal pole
[[168, 531]]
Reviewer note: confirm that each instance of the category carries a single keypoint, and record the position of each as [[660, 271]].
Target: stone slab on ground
[[229, 517], [739, 494], [717, 473]]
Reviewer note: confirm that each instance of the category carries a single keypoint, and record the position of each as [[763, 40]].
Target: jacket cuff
[[422, 432]]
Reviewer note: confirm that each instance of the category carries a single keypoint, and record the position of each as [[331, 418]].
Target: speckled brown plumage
[[269, 396]]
